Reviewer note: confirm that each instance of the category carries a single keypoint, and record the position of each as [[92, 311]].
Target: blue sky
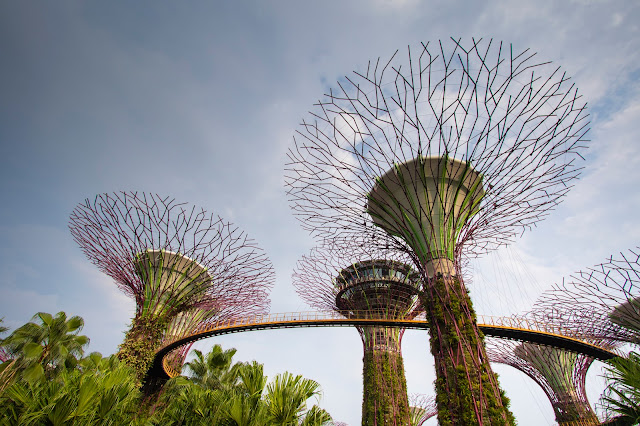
[[200, 100]]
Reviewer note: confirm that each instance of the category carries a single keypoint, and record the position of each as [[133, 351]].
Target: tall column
[[426, 202]]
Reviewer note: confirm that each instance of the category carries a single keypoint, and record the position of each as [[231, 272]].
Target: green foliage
[[213, 371], [245, 400], [286, 398], [622, 395], [463, 370], [316, 416], [105, 391], [185, 403], [384, 389], [103, 394], [2, 328], [45, 347], [140, 344]]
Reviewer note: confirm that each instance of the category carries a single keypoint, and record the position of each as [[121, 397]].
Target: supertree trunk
[[385, 400], [141, 342], [565, 375], [467, 389], [598, 305], [426, 202], [373, 285]]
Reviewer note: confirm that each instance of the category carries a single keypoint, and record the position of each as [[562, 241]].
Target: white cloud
[[617, 19]]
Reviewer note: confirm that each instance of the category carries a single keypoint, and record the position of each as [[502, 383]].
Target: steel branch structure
[[188, 322], [358, 281], [422, 408], [179, 263], [603, 301], [451, 150], [559, 372], [595, 306]]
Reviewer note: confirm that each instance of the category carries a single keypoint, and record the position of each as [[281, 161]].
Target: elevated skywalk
[[521, 329]]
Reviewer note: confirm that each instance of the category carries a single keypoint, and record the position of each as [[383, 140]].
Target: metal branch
[[602, 302], [518, 123], [560, 373], [131, 237], [181, 265], [422, 408]]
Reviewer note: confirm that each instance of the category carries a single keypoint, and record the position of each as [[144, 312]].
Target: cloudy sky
[[199, 101]]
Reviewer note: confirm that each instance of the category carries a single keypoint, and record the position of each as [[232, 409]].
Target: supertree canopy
[[602, 302], [179, 263], [358, 281], [584, 307], [560, 373], [422, 408], [452, 149]]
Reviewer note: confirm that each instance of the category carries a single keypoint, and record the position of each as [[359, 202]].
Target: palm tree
[[246, 406], [48, 346], [217, 393], [287, 396], [622, 395], [251, 402], [4, 356], [183, 402], [102, 392], [213, 370], [2, 328], [6, 363], [316, 416], [221, 393]]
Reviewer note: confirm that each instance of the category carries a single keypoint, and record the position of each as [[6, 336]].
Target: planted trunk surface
[[467, 390], [385, 389]]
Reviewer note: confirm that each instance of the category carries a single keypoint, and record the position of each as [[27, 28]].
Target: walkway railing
[[510, 327]]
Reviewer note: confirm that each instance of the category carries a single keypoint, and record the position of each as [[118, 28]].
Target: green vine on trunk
[[467, 391], [385, 389], [140, 344]]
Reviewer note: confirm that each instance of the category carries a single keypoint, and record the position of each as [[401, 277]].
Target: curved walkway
[[502, 327]]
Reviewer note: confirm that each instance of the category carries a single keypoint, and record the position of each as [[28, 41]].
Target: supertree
[[591, 306], [602, 302], [179, 263], [449, 151], [422, 408], [560, 373], [357, 281]]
